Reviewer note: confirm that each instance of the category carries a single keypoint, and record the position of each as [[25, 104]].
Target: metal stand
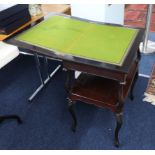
[[49, 76], [147, 27]]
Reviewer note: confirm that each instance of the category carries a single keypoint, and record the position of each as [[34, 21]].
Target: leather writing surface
[[104, 43]]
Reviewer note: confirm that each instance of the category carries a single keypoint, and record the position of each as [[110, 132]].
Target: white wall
[[115, 13], [99, 12]]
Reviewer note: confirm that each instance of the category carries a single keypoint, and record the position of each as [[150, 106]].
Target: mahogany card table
[[106, 54]]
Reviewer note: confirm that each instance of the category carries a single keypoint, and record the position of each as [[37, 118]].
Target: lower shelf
[[100, 91]]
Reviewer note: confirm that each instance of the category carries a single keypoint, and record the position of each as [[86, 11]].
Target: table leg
[[118, 127], [6, 117], [119, 113], [72, 112], [40, 77], [68, 86], [46, 66], [43, 82], [132, 87], [138, 55], [69, 80]]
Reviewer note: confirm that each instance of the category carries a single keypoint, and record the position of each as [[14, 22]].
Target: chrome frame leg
[[38, 68], [49, 76], [46, 66]]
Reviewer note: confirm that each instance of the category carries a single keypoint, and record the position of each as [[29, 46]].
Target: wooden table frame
[[105, 70], [123, 88], [34, 19]]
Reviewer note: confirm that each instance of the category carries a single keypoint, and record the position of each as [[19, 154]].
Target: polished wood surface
[[100, 91], [59, 8], [33, 19], [46, 8], [93, 70]]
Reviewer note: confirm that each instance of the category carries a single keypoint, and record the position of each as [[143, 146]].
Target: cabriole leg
[[69, 80], [72, 112], [117, 129], [132, 87]]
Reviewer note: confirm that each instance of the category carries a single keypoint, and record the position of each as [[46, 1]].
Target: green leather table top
[[64, 35]]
